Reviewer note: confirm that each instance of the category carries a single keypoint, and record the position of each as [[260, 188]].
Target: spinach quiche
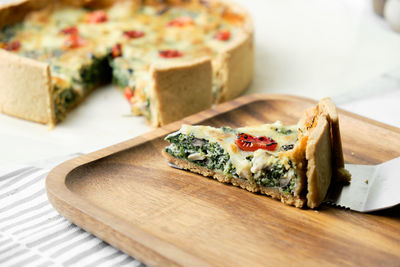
[[295, 164], [169, 58]]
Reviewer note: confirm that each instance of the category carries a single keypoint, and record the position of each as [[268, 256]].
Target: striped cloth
[[32, 233]]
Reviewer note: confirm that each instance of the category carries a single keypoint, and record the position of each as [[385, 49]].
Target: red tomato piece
[[223, 35], [134, 34], [70, 30], [128, 93], [98, 16], [248, 142], [180, 22], [169, 53], [116, 50], [12, 46], [73, 41]]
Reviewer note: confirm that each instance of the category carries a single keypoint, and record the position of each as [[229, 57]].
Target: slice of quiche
[[295, 164]]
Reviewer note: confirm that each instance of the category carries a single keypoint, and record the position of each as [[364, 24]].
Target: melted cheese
[[260, 158], [42, 30]]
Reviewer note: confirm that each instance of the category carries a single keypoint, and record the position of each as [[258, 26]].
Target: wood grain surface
[[128, 196]]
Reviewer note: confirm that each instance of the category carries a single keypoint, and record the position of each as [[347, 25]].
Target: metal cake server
[[372, 187]]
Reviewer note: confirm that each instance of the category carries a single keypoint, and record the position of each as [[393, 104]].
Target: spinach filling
[[275, 176], [121, 75], [96, 73], [213, 156], [9, 31], [200, 152], [64, 99], [283, 130], [90, 76]]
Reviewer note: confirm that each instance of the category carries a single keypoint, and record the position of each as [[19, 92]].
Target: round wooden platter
[[128, 196]]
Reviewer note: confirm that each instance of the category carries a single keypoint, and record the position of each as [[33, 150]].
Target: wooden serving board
[[128, 196]]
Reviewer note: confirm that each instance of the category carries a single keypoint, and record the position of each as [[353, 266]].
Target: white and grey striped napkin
[[33, 233]]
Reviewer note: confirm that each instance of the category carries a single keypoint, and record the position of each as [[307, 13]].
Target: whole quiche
[[169, 58]]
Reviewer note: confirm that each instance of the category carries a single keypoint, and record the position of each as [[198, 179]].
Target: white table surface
[[311, 48]]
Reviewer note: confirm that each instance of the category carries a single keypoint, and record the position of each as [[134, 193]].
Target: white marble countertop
[[310, 48]]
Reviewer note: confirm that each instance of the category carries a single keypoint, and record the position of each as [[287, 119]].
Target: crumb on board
[[352, 153]]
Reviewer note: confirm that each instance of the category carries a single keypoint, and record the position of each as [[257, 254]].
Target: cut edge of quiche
[[295, 164], [33, 99]]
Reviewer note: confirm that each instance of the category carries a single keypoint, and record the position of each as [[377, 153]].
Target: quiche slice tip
[[295, 164]]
